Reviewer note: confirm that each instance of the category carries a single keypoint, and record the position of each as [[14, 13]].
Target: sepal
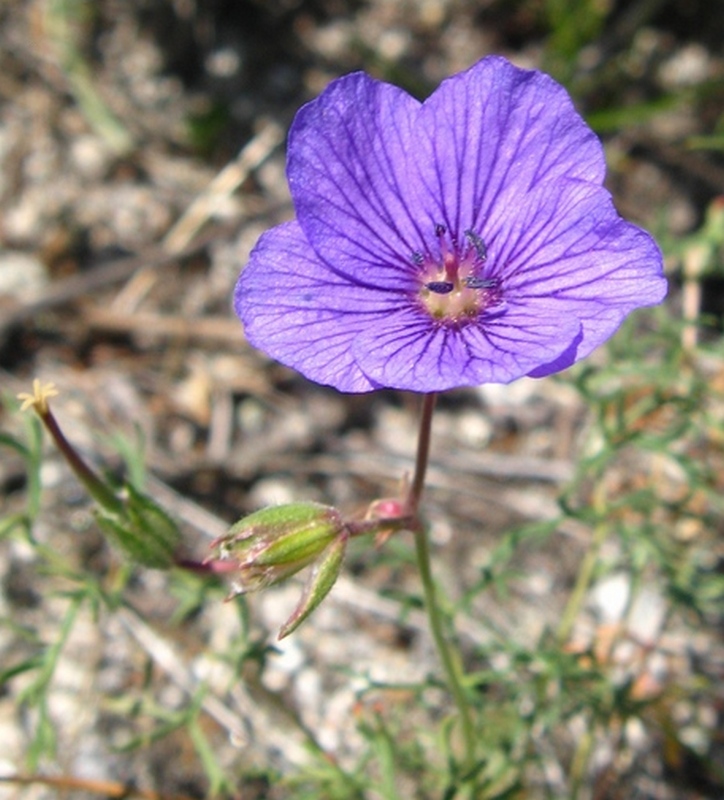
[[321, 579]]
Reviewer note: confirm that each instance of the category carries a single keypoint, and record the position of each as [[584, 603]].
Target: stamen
[[440, 287], [479, 245], [480, 283], [452, 288]]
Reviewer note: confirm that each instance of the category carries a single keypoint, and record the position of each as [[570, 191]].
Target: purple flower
[[464, 240]]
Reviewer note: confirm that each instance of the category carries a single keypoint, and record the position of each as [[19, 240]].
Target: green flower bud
[[274, 543]]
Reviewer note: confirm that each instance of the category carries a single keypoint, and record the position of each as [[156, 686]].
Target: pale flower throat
[[454, 289]]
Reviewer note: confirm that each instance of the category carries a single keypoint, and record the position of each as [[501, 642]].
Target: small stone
[[90, 156], [22, 275], [611, 596]]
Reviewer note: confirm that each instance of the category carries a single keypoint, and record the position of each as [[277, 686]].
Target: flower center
[[454, 287]]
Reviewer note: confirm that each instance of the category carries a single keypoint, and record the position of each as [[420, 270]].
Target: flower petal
[[494, 127], [563, 249], [408, 350], [303, 314], [348, 168]]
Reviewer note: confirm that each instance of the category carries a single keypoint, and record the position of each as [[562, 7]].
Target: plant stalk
[[447, 652], [97, 489]]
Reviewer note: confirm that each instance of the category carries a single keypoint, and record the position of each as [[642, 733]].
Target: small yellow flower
[[39, 398]]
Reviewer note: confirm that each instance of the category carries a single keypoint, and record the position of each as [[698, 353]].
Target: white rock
[[91, 156], [610, 597], [22, 275]]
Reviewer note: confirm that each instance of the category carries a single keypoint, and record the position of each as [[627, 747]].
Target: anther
[[480, 283], [440, 230], [479, 245], [418, 259], [440, 287]]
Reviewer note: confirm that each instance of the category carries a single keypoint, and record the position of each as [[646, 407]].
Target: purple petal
[[299, 312], [564, 249], [494, 127], [409, 351], [348, 168], [372, 171]]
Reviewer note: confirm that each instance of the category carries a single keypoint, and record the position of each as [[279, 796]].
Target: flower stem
[[423, 453], [448, 653], [97, 489]]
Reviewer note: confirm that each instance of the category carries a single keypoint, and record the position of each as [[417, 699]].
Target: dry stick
[[495, 465], [205, 207], [69, 289], [165, 326], [76, 286], [695, 262]]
